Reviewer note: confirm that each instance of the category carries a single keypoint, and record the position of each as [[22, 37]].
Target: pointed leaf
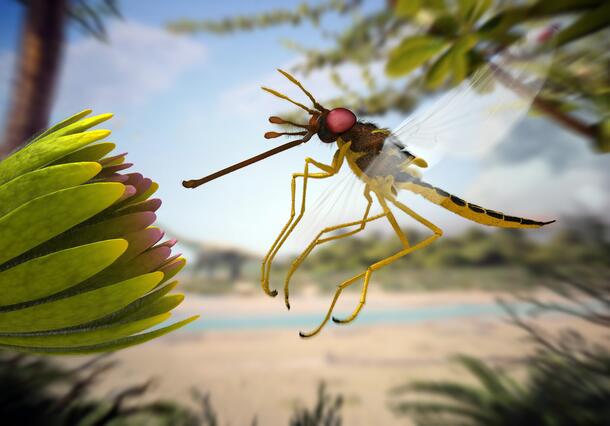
[[112, 346], [122, 314], [44, 181], [47, 216], [79, 126], [44, 152], [115, 227], [64, 123], [78, 309], [88, 153], [411, 53], [93, 336], [159, 306], [47, 275]]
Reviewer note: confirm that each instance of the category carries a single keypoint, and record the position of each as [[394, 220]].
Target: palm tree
[[40, 55]]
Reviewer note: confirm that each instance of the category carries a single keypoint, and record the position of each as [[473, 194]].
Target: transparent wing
[[473, 117]]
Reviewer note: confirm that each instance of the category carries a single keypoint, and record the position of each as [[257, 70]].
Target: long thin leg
[[340, 288], [319, 240], [437, 232], [328, 170]]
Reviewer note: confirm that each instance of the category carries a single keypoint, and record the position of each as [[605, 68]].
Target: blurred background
[[485, 326]]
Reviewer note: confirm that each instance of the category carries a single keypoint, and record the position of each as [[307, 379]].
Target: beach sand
[[266, 372]]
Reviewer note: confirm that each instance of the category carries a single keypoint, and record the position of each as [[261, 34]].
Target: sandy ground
[[266, 372]]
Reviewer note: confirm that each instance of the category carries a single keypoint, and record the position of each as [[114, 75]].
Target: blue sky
[[186, 106]]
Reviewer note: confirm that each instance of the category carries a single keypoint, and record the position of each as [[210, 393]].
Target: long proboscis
[[197, 182]]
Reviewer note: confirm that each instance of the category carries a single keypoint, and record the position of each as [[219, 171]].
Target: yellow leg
[[332, 305], [437, 232], [319, 240], [328, 170]]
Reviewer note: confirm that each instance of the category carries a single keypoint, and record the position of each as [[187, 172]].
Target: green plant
[[81, 270], [37, 391], [556, 393], [433, 45], [326, 412], [568, 376]]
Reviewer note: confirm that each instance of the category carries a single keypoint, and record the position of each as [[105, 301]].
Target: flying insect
[[384, 162]]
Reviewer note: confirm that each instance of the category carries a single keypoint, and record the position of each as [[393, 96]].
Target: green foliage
[[326, 412], [303, 13], [556, 393], [89, 15], [411, 53], [583, 240], [567, 379], [436, 44], [36, 391], [80, 268]]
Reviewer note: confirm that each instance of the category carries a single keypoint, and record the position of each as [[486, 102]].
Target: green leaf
[[163, 304], [453, 62], [114, 227], [407, 8], [112, 346], [92, 336], [471, 11], [45, 151], [439, 71], [412, 53], [45, 217], [492, 381], [588, 23], [64, 123], [435, 5], [80, 308], [459, 66], [444, 26], [47, 275], [76, 127], [88, 153], [44, 181], [121, 315]]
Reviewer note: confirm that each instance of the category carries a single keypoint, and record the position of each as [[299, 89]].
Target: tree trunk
[[37, 72]]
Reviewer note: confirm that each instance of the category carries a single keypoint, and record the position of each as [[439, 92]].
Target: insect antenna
[[306, 134], [309, 95], [282, 96], [278, 120]]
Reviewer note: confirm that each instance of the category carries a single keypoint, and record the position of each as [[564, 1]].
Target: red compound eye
[[340, 120]]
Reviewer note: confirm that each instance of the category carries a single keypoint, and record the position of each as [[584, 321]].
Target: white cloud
[[531, 188], [557, 175], [138, 62]]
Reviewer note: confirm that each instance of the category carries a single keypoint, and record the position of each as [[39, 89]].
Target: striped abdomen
[[465, 209]]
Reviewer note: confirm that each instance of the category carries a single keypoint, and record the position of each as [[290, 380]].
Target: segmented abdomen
[[463, 208]]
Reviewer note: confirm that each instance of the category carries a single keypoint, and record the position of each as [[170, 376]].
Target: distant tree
[[439, 43], [39, 61]]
